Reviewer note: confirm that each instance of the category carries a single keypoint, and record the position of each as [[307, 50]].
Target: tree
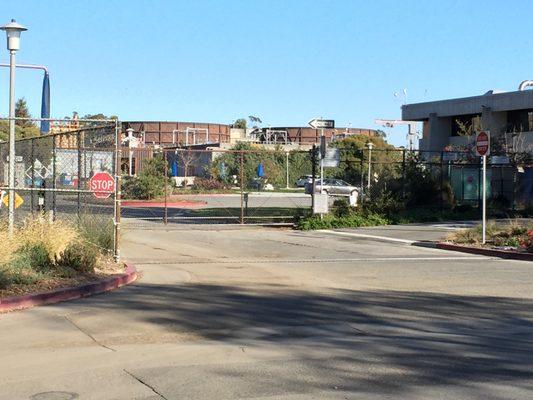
[[23, 128], [255, 121], [240, 123], [353, 149], [22, 111], [98, 116]]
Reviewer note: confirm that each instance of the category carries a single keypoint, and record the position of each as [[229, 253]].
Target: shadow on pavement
[[401, 339]]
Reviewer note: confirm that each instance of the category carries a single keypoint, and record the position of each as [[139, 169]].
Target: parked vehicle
[[334, 187], [304, 180]]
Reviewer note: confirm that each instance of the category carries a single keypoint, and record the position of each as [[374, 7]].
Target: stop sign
[[102, 185], [482, 143]]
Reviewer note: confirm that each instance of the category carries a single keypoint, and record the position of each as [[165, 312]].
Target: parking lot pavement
[[258, 313]]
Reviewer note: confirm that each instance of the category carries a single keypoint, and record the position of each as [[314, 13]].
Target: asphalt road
[[247, 313]]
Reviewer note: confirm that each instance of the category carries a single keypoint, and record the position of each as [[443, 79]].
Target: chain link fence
[[273, 186], [53, 172], [438, 180], [214, 185]]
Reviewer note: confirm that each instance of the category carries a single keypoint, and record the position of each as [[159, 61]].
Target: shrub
[[79, 256], [149, 184], [341, 208], [353, 220], [37, 257], [208, 184], [143, 187]]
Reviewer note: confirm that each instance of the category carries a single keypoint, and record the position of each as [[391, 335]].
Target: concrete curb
[[512, 255], [160, 204], [70, 293]]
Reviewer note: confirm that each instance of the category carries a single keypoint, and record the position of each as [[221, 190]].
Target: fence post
[[404, 174], [441, 182], [117, 195], [54, 177], [313, 172], [479, 205], [362, 165], [165, 220], [79, 171], [242, 187], [32, 140], [287, 167]]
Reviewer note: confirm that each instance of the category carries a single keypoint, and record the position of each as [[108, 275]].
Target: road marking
[[364, 235], [312, 260]]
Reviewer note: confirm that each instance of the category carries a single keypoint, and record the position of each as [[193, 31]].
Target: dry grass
[[53, 236], [511, 234], [46, 254]]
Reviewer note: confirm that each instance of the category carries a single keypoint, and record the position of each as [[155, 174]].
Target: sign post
[[102, 185], [482, 150]]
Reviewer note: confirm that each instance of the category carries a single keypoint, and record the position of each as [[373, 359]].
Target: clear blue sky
[[284, 61]]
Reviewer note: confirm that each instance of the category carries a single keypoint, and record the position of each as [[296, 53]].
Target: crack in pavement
[[88, 334], [153, 389]]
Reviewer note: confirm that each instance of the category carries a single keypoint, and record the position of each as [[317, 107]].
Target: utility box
[[321, 203]]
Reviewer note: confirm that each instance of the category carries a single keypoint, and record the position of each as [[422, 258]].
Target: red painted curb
[[148, 204], [71, 293], [513, 255]]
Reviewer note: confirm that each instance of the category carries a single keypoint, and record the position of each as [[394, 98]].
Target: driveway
[[241, 313]]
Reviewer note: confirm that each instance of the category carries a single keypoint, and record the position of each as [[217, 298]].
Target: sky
[[283, 61]]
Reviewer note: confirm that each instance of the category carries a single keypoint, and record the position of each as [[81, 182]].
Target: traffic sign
[[332, 158], [102, 185], [322, 123], [483, 143], [18, 200]]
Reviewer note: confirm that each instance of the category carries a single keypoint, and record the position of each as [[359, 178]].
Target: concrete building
[[445, 121]]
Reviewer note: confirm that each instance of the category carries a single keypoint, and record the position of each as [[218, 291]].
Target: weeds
[[512, 234], [42, 249]]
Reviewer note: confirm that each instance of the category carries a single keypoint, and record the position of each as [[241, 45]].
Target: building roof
[[506, 101]]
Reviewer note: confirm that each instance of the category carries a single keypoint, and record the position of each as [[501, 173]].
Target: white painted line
[[362, 235], [140, 261]]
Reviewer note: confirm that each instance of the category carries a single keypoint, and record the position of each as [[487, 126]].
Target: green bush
[[341, 208], [208, 184], [149, 184], [37, 257], [353, 220], [81, 257]]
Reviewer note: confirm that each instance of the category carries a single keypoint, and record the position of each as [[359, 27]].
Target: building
[[448, 123], [165, 133]]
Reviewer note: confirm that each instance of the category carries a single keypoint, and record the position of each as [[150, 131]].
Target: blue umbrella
[[260, 170], [45, 104]]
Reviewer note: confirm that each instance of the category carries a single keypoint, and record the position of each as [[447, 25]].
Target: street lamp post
[[13, 31], [369, 145]]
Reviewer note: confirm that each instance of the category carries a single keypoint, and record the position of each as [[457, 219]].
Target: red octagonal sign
[[482, 143], [102, 185]]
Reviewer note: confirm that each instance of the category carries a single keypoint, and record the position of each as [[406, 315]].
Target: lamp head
[[13, 30]]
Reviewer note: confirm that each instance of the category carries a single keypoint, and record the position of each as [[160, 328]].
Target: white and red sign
[[483, 143], [102, 185]]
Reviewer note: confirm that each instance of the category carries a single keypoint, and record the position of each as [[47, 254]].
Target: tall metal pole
[[12, 154], [321, 164], [369, 165], [484, 201], [287, 166], [242, 187]]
